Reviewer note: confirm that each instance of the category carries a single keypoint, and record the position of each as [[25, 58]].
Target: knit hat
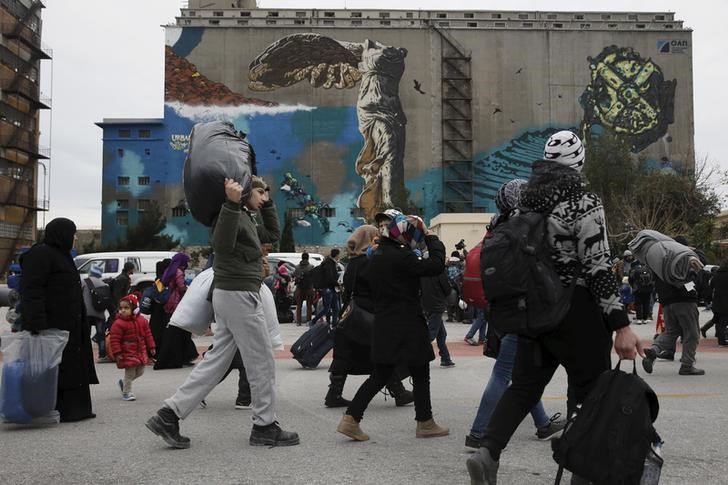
[[95, 271], [132, 299], [361, 239], [565, 148], [506, 199], [407, 230]]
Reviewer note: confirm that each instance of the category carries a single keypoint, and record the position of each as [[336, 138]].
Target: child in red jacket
[[131, 344]]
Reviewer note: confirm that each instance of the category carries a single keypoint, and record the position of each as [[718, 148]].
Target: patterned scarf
[[406, 230]]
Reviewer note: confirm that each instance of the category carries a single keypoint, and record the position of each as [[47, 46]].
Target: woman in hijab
[[352, 342], [177, 349], [400, 335], [52, 298]]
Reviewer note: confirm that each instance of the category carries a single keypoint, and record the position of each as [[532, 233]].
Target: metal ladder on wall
[[457, 125]]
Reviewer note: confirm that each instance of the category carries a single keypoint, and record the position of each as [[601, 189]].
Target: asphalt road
[[116, 447]]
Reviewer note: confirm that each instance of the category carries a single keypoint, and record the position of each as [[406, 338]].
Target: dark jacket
[[719, 285], [356, 284], [330, 273], [299, 275], [121, 286], [435, 290], [400, 330], [52, 298], [634, 279], [669, 294]]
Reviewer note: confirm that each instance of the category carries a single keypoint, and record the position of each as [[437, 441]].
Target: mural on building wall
[[629, 96], [327, 63], [310, 208]]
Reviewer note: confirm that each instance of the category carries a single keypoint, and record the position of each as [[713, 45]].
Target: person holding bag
[[352, 340], [52, 298]]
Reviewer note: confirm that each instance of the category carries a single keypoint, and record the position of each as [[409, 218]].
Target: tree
[[287, 243], [635, 198], [146, 235]]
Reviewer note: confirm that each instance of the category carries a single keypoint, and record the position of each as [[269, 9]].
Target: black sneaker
[[164, 425], [553, 429], [447, 363], [472, 443], [665, 355], [242, 403], [272, 435], [689, 370], [649, 360]]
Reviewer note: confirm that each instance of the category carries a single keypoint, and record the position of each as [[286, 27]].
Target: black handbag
[[355, 322]]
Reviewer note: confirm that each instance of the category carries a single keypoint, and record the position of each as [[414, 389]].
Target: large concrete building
[[352, 110], [21, 51]]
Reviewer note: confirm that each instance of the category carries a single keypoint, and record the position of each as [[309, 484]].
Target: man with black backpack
[[121, 285], [325, 279], [97, 300], [304, 288], [642, 283], [571, 223]]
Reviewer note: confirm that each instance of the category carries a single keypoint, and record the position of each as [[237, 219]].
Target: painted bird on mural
[[418, 87], [497, 110]]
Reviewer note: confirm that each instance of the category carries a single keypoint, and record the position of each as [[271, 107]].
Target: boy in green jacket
[[236, 241]]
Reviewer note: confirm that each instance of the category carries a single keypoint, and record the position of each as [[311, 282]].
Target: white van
[[145, 263], [292, 259]]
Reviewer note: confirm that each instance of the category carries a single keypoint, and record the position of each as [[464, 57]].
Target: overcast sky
[[108, 62]]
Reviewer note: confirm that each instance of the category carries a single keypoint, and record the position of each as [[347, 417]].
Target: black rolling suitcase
[[313, 345]]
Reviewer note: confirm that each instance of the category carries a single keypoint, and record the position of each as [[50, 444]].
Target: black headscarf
[[162, 267], [59, 234]]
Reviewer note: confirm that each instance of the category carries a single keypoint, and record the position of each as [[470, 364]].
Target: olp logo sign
[[673, 46]]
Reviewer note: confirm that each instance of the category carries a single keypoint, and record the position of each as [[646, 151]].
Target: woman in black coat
[[52, 298], [352, 343], [400, 335]]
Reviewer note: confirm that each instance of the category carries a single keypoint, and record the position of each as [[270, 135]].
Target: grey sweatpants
[[680, 319], [240, 325]]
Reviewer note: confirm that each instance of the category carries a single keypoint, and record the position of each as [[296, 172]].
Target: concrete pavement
[[116, 447]]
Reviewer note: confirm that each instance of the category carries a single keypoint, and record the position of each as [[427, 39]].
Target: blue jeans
[[499, 380], [478, 325], [437, 331], [331, 304]]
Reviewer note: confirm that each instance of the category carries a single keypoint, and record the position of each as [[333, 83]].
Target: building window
[[143, 180], [522, 16], [585, 26], [558, 26], [328, 14], [499, 24], [329, 22], [295, 212], [632, 17], [122, 180], [245, 14], [356, 22], [214, 22], [527, 25], [245, 22], [124, 133], [272, 14], [300, 14], [495, 15], [179, 211], [143, 205], [192, 13], [122, 204], [578, 17], [667, 26], [188, 22], [217, 14], [147, 152], [328, 211], [385, 22], [355, 15], [410, 15], [472, 24], [444, 24], [468, 15], [606, 16], [659, 17], [145, 133], [122, 218], [612, 26], [384, 15], [441, 15], [640, 26], [552, 16], [270, 22]]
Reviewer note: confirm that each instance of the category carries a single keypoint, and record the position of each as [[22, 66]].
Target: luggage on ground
[[313, 345]]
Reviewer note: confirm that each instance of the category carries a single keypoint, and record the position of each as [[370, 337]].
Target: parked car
[[112, 263], [292, 260]]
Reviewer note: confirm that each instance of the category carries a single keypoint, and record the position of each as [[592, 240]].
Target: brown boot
[[430, 429], [349, 426]]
